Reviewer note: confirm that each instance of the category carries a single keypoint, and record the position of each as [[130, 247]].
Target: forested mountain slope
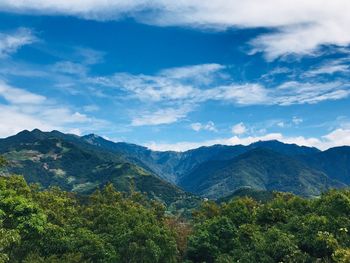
[[81, 164], [57, 159]]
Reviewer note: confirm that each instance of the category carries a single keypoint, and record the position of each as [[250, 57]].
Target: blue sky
[[178, 75]]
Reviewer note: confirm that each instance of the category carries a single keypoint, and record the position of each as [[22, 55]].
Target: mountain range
[[84, 163]]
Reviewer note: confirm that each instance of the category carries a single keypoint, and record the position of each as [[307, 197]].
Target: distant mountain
[[260, 169], [67, 161], [172, 166], [183, 168], [284, 148], [335, 162], [160, 163], [83, 163]]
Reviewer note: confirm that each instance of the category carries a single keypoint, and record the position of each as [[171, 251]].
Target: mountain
[[67, 161], [284, 148], [179, 167], [335, 162], [169, 165], [82, 164], [172, 166], [261, 169], [161, 163]]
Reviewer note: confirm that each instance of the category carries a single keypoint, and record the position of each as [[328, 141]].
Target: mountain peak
[[36, 130], [91, 136], [285, 148]]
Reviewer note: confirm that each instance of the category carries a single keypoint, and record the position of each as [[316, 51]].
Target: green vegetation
[[86, 204], [57, 226], [285, 229], [108, 226], [258, 195], [260, 169], [84, 164], [67, 161]]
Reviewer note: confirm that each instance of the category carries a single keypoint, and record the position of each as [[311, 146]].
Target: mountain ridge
[[181, 169], [64, 160]]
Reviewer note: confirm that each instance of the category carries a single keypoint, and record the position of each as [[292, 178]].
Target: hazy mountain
[[161, 163], [261, 169], [335, 162], [172, 166], [284, 148]]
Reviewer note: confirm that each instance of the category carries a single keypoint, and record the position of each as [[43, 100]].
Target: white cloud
[[294, 92], [209, 126], [91, 108], [302, 39], [200, 74], [196, 126], [169, 84], [244, 94], [297, 120], [338, 137], [88, 56], [19, 96], [26, 110], [300, 27], [11, 42], [281, 124], [239, 128], [162, 116], [200, 83], [68, 67], [193, 85], [329, 68]]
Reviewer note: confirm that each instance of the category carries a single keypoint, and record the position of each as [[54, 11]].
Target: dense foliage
[[55, 226], [286, 229], [108, 226]]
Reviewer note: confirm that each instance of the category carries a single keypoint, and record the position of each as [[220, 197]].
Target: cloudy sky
[[178, 74]]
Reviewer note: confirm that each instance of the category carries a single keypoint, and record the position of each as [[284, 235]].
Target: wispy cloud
[[209, 126], [26, 110], [294, 92], [297, 120], [298, 28], [198, 84], [175, 92], [19, 96], [161, 116], [330, 67], [168, 84], [11, 42], [71, 68], [206, 82], [239, 128]]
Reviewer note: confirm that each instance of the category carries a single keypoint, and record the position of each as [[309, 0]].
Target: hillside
[[335, 162], [57, 159], [260, 169], [82, 164], [172, 166]]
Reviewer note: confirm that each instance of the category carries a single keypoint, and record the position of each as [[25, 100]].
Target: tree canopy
[[51, 225]]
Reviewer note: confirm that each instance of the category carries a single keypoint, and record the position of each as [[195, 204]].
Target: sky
[[177, 75]]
